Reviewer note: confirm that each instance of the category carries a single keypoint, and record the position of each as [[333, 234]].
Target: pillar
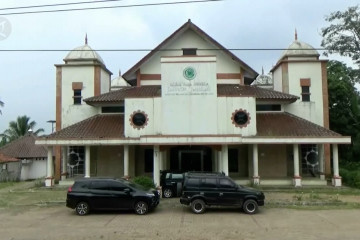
[[321, 161], [256, 177], [49, 180], [297, 177], [225, 159], [336, 177], [219, 161], [156, 174], [87, 161], [64, 160], [126, 161]]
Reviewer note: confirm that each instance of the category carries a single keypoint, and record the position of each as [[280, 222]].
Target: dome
[[119, 82], [84, 52], [263, 80], [298, 48]]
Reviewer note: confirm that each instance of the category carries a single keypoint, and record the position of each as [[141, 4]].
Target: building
[[192, 107], [31, 159]]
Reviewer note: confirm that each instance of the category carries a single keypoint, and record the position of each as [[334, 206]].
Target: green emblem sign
[[189, 73]]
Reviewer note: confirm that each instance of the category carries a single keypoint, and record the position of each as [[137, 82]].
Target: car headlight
[[150, 194]]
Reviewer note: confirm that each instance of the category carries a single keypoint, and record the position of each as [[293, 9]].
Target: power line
[[109, 7], [59, 4], [159, 50]]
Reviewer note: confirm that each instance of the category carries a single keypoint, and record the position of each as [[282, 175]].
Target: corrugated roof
[[223, 90], [4, 158], [24, 147], [288, 125], [102, 126]]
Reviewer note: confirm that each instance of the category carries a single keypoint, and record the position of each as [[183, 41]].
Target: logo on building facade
[[189, 73]]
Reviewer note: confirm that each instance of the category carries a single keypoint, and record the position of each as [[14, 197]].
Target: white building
[[192, 108]]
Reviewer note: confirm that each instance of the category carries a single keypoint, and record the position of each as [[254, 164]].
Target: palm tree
[[20, 128]]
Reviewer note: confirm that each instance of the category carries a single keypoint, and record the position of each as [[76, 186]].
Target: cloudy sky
[[27, 79]]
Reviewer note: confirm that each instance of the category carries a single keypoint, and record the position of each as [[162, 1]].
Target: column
[[49, 180], [156, 174], [126, 161], [225, 159], [256, 177], [297, 177], [321, 161], [336, 178], [87, 161], [64, 172], [219, 161]]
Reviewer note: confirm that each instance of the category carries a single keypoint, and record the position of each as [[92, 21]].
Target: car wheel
[[141, 207], [82, 208], [198, 206], [167, 193], [250, 206]]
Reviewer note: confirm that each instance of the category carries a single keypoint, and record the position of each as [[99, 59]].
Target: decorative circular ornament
[[189, 73], [240, 118], [138, 119], [311, 158]]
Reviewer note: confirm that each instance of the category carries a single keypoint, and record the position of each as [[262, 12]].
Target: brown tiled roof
[[4, 158], [288, 125], [102, 126], [204, 35], [230, 90], [24, 147]]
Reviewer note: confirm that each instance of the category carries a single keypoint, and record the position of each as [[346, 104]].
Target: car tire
[[82, 208], [141, 207], [167, 193], [250, 206], [198, 206]]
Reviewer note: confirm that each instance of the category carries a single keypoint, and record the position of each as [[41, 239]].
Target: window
[[177, 176], [138, 119], [240, 118], [233, 160], [100, 185], [305, 93], [305, 84], [77, 96], [309, 160], [268, 107], [114, 109], [116, 186], [149, 160], [76, 158], [209, 182], [226, 183], [189, 51]]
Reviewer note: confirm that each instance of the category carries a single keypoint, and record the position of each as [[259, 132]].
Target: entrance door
[[191, 160]]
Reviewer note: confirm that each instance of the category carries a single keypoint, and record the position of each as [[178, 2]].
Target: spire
[[262, 70], [119, 73], [296, 35], [86, 40]]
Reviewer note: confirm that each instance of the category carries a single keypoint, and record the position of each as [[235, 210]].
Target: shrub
[[351, 177], [144, 181]]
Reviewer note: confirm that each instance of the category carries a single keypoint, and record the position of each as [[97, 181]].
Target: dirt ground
[[172, 220]]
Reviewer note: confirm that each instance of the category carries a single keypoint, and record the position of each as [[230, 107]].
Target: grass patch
[[6, 184]]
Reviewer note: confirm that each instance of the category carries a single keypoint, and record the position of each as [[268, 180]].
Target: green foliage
[[19, 128], [344, 110], [144, 181], [343, 34], [350, 174]]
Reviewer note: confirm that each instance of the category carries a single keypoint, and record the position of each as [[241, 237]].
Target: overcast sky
[[27, 79]]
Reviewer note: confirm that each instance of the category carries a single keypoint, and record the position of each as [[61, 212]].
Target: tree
[[344, 107], [343, 34], [20, 128]]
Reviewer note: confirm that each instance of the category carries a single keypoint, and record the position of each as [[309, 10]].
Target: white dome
[[298, 48], [119, 82], [84, 52]]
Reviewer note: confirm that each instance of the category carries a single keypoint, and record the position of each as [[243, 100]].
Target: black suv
[[110, 194], [171, 183], [201, 190]]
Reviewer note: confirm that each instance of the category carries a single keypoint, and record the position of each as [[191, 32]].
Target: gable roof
[[24, 147], [181, 30], [223, 90]]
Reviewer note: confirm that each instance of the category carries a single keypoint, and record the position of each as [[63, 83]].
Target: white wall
[[105, 80], [33, 169]]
